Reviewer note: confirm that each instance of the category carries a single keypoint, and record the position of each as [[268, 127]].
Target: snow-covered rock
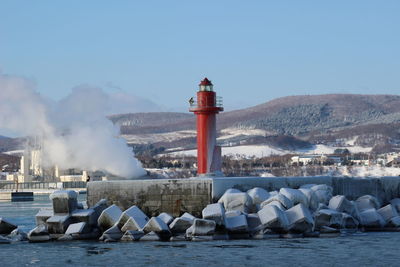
[[165, 217], [215, 212], [109, 217], [273, 218], [6, 227], [371, 218], [300, 219], [285, 202], [258, 195], [64, 201], [236, 224], [296, 196], [367, 202]]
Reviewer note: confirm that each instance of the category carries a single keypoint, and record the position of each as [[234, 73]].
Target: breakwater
[[177, 196]]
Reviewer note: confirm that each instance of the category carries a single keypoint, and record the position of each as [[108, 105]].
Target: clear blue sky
[[253, 51]]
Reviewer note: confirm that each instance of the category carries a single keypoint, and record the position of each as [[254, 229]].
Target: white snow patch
[[240, 151]]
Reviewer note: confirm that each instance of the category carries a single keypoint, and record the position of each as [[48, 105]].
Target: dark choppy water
[[371, 249]]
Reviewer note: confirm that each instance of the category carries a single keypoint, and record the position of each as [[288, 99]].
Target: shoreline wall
[[177, 196]]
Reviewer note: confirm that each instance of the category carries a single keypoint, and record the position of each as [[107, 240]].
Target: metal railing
[[203, 103]]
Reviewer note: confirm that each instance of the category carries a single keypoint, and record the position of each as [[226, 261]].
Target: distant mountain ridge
[[292, 115]]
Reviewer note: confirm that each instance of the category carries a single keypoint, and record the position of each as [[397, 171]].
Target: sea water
[[361, 249]]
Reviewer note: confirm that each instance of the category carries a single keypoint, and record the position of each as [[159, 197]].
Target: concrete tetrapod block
[[258, 195], [133, 212], [367, 202], [109, 217], [312, 198], [78, 228], [43, 215], [233, 200], [88, 216], [300, 219], [58, 224], [100, 206], [215, 212], [132, 225], [285, 202], [394, 222], [232, 213], [188, 216], [165, 217], [274, 203], [203, 227], [341, 204], [180, 225], [396, 203], [348, 221], [371, 218], [254, 222], [112, 234], [6, 227], [296, 196], [388, 212], [151, 237], [39, 234], [132, 235], [159, 227], [64, 201], [328, 217], [322, 192], [237, 224], [273, 218]]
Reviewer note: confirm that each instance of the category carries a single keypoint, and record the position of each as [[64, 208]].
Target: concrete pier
[[177, 196]]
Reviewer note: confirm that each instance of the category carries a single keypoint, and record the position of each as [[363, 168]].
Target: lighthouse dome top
[[206, 85]]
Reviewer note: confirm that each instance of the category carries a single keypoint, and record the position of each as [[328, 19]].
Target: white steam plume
[[75, 131]]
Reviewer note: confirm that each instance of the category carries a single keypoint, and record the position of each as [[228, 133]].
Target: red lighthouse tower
[[206, 106]]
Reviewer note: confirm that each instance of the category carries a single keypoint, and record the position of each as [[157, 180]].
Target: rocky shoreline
[[310, 211]]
